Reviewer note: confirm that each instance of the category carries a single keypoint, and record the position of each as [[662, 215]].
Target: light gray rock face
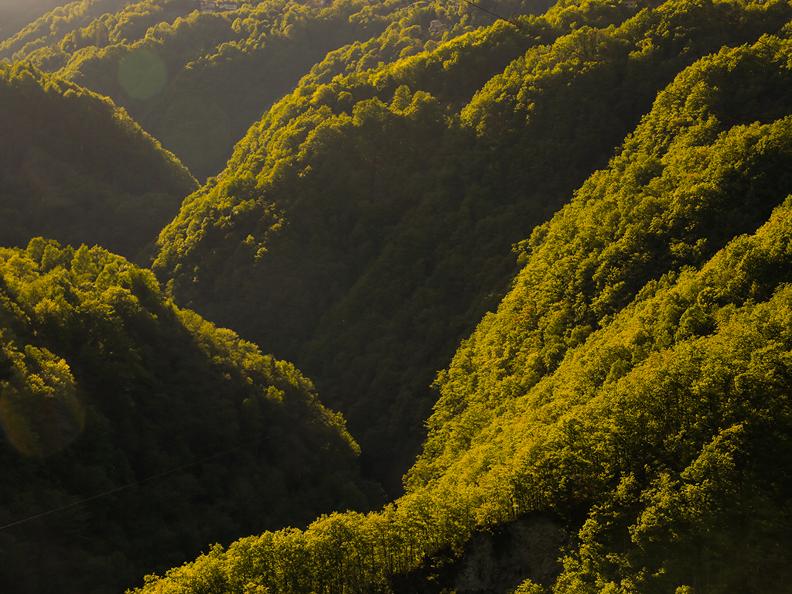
[[498, 562]]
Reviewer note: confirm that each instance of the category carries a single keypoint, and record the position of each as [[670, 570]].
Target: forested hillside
[[632, 388], [537, 254], [366, 222], [149, 431], [197, 78], [76, 168]]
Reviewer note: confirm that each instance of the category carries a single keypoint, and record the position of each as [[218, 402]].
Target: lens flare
[[40, 411], [142, 74]]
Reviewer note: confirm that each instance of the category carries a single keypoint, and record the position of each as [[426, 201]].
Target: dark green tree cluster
[[151, 431], [76, 168], [365, 222], [634, 383]]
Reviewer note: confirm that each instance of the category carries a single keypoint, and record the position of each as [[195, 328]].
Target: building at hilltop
[[218, 5]]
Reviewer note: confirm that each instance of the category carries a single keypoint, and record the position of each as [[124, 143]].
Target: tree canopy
[[15, 15]]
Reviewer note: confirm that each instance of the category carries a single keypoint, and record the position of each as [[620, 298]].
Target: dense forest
[[537, 255]]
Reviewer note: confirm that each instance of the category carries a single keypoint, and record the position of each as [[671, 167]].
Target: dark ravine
[[198, 79]]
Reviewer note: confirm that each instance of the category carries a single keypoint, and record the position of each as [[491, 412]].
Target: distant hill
[[135, 433], [76, 168], [198, 74]]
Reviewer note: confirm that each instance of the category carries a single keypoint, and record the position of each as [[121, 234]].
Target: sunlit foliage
[[630, 384]]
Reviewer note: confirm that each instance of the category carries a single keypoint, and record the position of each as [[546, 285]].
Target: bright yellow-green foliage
[[635, 382], [198, 79], [76, 168], [190, 432], [365, 223], [683, 185]]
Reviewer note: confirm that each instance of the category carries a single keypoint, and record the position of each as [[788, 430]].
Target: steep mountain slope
[[148, 430], [365, 222], [633, 387], [197, 79], [76, 168]]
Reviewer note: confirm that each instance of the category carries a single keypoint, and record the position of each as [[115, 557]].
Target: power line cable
[[490, 12], [479, 7], [115, 490]]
